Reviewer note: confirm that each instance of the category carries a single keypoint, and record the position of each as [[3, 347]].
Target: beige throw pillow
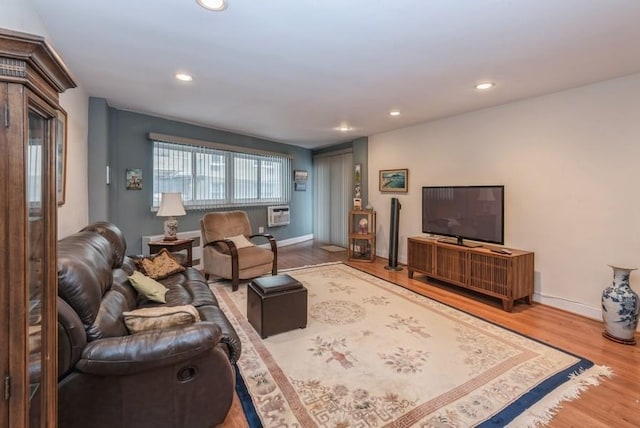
[[160, 317], [160, 265], [240, 241], [148, 287]]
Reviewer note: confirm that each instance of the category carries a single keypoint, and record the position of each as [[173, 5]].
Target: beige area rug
[[377, 355], [333, 248]]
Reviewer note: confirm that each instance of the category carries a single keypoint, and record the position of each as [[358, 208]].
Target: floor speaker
[[393, 235]]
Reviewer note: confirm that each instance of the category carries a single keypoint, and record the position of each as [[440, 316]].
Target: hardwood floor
[[614, 403]]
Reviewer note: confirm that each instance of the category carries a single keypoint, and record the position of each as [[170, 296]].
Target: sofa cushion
[[160, 265], [149, 287], [160, 317]]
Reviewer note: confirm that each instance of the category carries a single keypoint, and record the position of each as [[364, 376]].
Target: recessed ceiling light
[[344, 128], [184, 77], [485, 85], [216, 5], [394, 113]]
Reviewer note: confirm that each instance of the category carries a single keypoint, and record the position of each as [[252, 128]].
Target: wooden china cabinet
[[31, 132]]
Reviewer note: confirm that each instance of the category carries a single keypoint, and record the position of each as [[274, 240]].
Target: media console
[[508, 277]]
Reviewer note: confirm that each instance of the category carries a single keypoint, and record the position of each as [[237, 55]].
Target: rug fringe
[[544, 410]]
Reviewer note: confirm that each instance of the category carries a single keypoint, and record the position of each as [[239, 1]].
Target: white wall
[[74, 214], [21, 15], [570, 163]]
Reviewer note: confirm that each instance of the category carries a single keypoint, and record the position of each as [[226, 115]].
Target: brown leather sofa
[[175, 377]]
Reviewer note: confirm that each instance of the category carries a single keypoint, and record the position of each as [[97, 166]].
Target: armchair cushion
[[160, 317], [254, 256], [149, 287], [241, 241], [218, 225], [160, 265]]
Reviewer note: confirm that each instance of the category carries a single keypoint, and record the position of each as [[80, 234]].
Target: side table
[[174, 246]]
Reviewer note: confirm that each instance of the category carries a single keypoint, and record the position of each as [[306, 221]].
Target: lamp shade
[[486, 195], [171, 205]]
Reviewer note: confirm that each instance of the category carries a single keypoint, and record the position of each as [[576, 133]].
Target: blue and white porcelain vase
[[620, 308]]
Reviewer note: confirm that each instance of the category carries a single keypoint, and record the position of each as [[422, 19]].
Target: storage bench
[[276, 304]]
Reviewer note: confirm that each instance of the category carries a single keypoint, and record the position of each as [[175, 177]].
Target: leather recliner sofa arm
[[147, 350]]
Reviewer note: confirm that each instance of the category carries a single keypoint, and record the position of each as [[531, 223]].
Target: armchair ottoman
[[276, 304]]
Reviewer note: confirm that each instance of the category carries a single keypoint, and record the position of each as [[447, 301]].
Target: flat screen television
[[464, 212]]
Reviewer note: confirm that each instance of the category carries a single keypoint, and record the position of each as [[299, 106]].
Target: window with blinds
[[211, 177]]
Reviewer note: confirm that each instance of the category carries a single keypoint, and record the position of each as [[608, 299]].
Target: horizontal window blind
[[209, 177]]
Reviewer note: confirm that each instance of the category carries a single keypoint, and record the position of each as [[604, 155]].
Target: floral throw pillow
[[160, 265]]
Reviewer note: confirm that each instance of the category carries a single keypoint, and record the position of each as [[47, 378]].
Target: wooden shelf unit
[[508, 277], [362, 240]]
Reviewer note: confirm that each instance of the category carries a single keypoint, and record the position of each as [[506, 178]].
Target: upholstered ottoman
[[276, 304]]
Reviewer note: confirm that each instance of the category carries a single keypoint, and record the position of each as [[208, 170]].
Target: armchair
[[228, 254]]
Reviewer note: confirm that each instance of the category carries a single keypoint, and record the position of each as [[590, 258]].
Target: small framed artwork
[[134, 179], [394, 180], [61, 156], [300, 175], [300, 186], [357, 180]]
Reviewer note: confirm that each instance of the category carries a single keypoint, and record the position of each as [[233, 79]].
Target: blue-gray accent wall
[[120, 139]]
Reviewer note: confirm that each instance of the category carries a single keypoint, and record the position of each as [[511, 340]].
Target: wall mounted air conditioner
[[278, 215]]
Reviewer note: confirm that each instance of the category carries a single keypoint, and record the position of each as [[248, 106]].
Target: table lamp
[[487, 199], [171, 206]]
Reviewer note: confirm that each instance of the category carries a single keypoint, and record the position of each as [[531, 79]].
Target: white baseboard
[[290, 241], [296, 240], [569, 306]]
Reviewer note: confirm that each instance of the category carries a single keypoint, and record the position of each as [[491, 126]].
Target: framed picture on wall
[[300, 175], [134, 179], [357, 180], [394, 180]]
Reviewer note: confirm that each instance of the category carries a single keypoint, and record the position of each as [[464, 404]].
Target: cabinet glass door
[[37, 154]]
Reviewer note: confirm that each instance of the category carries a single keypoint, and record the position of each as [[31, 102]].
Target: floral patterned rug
[[377, 355]]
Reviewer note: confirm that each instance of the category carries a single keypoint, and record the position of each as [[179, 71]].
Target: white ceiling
[[294, 70]]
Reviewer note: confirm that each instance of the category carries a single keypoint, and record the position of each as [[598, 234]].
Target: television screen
[[464, 212]]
